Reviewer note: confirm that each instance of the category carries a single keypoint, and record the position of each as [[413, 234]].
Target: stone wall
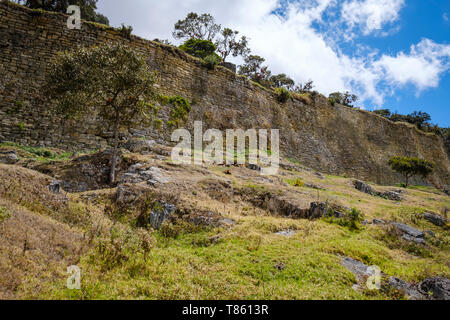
[[336, 140]]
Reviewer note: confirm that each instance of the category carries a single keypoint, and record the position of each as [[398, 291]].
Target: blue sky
[[392, 53]]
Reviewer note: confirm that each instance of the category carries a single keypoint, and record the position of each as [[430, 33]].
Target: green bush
[[212, 61], [181, 108], [199, 48], [283, 95], [126, 31], [352, 219]]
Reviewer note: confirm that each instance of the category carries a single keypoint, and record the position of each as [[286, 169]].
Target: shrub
[[283, 95], [212, 61], [347, 99], [199, 48], [181, 108], [126, 31], [296, 182], [352, 219]]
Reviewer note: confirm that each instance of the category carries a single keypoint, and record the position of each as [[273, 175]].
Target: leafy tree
[[111, 80], [282, 81], [254, 69], [304, 88], [87, 8], [420, 119], [228, 44], [346, 99], [383, 112], [196, 26], [410, 167]]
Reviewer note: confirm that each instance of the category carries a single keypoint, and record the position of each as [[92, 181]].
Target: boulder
[[435, 219], [361, 271], [161, 214], [437, 288], [405, 229], [405, 288], [391, 195], [363, 187], [318, 210], [378, 221], [409, 238], [55, 187], [8, 157]]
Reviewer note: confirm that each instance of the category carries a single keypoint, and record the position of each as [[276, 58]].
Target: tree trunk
[[407, 181], [112, 174]]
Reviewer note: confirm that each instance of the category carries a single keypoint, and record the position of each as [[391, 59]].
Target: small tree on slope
[[410, 167], [111, 80]]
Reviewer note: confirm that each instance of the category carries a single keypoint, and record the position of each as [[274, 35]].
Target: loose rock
[[161, 214], [435, 219], [8, 157], [438, 288], [405, 288]]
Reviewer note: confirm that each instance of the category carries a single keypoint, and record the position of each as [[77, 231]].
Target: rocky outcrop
[[435, 219], [364, 187], [409, 233], [407, 289], [8, 157], [438, 288]]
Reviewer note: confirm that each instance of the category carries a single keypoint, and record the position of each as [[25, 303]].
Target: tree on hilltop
[[228, 44], [196, 26], [282, 81], [253, 68]]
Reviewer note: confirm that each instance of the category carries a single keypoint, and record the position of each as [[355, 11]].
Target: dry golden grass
[[34, 247], [120, 260]]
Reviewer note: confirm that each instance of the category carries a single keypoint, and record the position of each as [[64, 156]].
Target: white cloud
[[292, 45], [370, 15], [422, 67]]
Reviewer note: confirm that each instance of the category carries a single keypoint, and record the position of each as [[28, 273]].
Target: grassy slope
[[241, 264]]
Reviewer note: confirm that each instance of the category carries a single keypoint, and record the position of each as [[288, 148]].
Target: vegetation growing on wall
[[111, 79]]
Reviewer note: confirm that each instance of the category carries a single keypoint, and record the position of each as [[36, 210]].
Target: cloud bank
[[294, 38]]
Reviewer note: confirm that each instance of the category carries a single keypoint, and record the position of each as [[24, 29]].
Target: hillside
[[212, 232], [331, 223]]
